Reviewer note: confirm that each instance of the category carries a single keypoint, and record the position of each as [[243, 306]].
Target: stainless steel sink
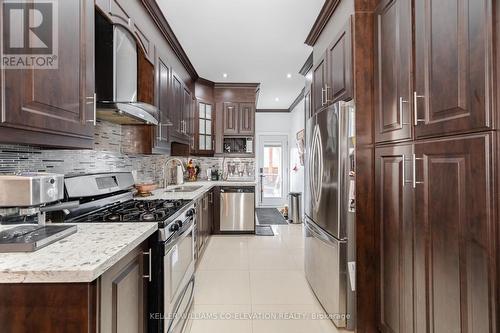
[[184, 189]]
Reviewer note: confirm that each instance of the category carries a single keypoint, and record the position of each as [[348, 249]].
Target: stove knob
[[174, 227], [179, 223], [190, 212]]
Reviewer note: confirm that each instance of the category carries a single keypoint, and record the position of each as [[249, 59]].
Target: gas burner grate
[[136, 211]]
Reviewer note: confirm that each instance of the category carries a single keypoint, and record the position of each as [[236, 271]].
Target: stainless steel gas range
[[108, 198]]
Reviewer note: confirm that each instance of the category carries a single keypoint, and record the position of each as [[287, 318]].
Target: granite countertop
[[81, 257], [164, 194]]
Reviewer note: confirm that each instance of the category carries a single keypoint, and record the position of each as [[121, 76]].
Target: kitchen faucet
[[165, 167]]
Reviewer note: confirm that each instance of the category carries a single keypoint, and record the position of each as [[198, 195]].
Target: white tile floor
[[256, 284]]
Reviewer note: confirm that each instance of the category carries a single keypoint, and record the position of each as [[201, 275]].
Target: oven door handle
[[177, 238]]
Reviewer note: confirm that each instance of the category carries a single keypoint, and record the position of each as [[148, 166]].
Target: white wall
[[272, 123], [297, 123]]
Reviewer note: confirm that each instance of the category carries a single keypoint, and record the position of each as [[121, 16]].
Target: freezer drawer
[[237, 210], [326, 272]]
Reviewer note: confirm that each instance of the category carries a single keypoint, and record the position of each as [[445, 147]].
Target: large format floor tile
[[280, 287], [221, 319], [271, 259], [222, 287], [225, 259], [290, 319], [256, 284]]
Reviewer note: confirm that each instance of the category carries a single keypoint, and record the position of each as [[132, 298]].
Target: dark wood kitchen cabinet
[[179, 111], [205, 128], [239, 118], [231, 118], [204, 223], [332, 73], [114, 302], [247, 119], [394, 197], [339, 85], [55, 107], [308, 102], [393, 71], [176, 108], [319, 83], [453, 66], [437, 258], [123, 294], [186, 112], [164, 102], [455, 236]]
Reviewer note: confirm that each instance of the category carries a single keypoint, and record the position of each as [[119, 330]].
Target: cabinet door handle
[[94, 102], [159, 132], [401, 102], [403, 173], [149, 276], [323, 97], [415, 159], [211, 197], [415, 108], [327, 88]]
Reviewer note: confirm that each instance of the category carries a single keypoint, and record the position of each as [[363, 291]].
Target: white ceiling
[[250, 40]]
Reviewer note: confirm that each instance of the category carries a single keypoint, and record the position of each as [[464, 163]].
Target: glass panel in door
[[273, 173], [272, 183]]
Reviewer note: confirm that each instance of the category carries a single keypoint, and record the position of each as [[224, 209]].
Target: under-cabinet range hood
[[116, 76]]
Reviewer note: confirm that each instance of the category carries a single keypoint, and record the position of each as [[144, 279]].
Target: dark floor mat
[[270, 216], [263, 230]]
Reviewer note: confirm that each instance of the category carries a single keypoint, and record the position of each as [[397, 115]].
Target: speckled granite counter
[[164, 194], [81, 257]]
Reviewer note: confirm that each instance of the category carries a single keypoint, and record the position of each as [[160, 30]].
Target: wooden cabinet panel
[[394, 199], [339, 61], [49, 307], [186, 112], [230, 118], [393, 73], [176, 108], [454, 236], [65, 107], [308, 106], [164, 102], [210, 213], [318, 85], [123, 291], [453, 66], [247, 118], [192, 125]]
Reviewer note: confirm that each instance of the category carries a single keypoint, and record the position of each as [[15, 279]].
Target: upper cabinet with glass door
[[205, 133]]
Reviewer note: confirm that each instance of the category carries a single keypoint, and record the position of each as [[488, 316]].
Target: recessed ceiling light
[[224, 75], [289, 75], [277, 99]]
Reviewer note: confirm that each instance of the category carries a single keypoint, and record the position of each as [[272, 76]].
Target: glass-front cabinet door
[[205, 132]]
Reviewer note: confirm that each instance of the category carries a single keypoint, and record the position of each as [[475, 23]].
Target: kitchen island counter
[[80, 257]]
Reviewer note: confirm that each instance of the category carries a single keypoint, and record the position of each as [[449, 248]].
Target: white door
[[272, 170]]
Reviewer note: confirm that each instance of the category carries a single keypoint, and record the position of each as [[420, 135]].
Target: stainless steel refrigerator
[[330, 211]]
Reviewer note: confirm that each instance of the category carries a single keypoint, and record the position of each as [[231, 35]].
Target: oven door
[[178, 276]]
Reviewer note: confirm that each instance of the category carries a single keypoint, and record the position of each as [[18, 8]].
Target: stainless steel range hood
[[116, 76]]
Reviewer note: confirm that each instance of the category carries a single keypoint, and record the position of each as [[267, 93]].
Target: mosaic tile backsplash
[[106, 157]]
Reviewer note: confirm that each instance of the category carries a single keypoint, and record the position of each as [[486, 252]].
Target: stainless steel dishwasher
[[237, 213]]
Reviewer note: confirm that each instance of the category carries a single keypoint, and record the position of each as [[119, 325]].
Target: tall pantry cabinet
[[436, 165]]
